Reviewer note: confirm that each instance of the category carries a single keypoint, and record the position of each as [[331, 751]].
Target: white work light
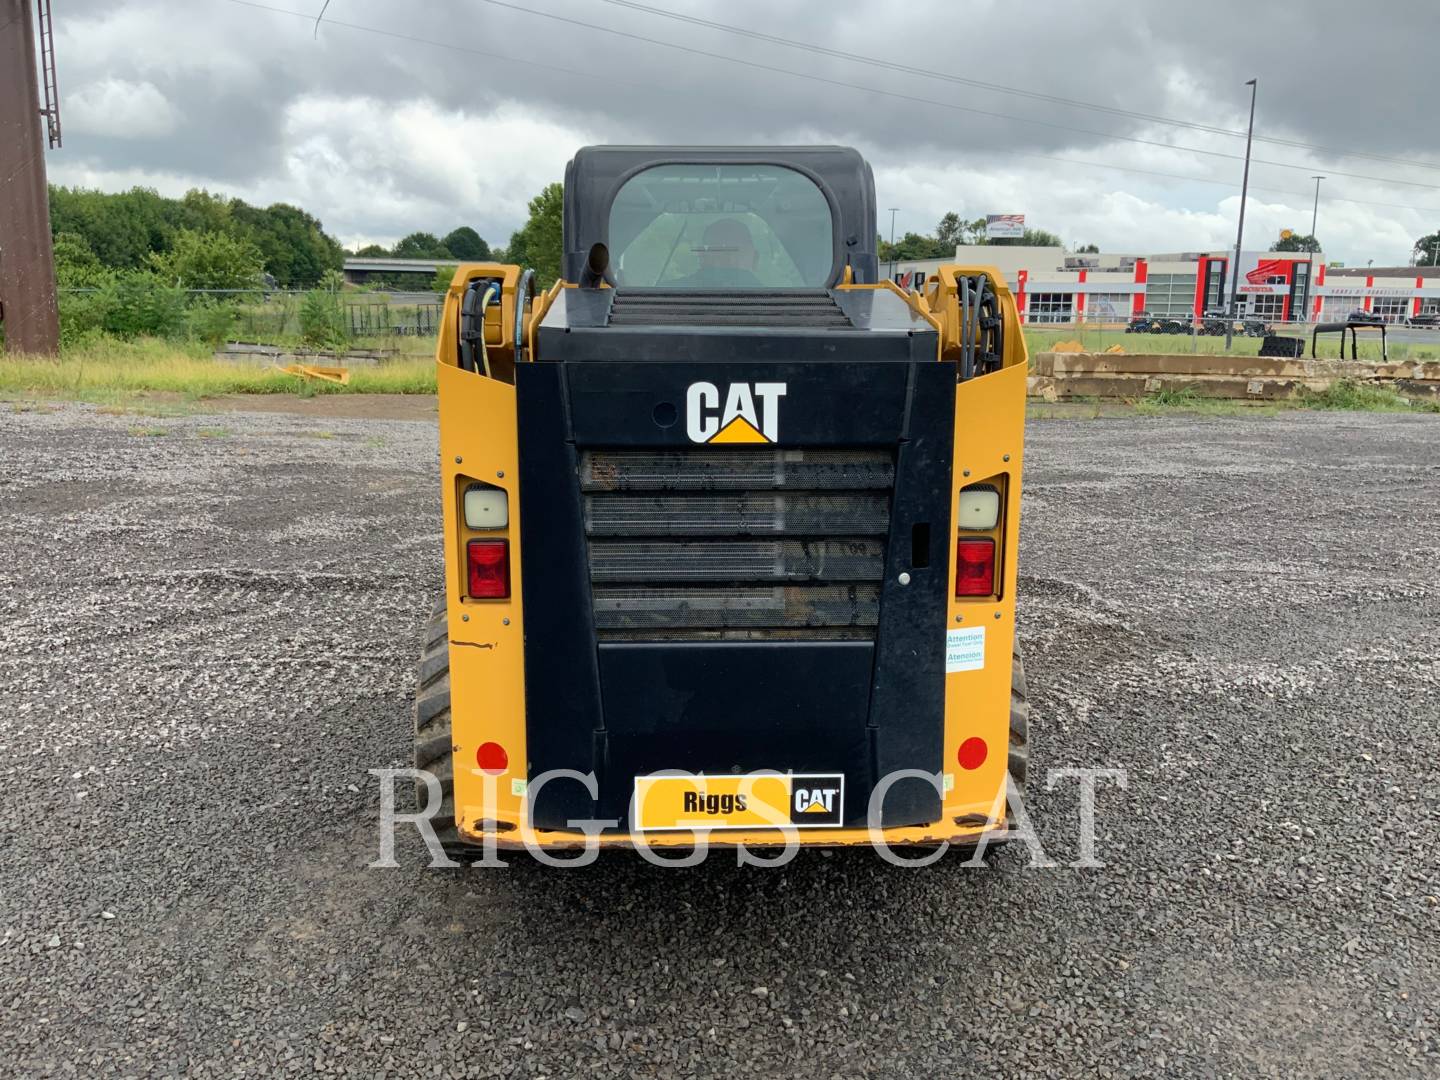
[[979, 507], [486, 507]]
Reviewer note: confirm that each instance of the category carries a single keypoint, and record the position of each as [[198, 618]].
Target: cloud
[[384, 124], [121, 109]]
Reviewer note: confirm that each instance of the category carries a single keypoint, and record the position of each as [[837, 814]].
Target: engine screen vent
[[706, 543]]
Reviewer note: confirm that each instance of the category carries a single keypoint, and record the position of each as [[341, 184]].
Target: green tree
[[121, 229], [950, 232], [466, 243], [209, 260], [76, 265], [322, 320], [1296, 242], [1032, 238], [1427, 250], [421, 245], [203, 212], [537, 244], [444, 274], [1088, 249], [373, 251], [295, 247], [124, 229], [140, 304]]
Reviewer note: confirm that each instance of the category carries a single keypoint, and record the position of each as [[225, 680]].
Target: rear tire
[[434, 749], [1019, 723]]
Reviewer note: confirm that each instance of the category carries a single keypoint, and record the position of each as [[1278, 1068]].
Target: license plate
[[693, 802]]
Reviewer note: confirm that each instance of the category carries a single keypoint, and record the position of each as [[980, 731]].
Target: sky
[[395, 117]]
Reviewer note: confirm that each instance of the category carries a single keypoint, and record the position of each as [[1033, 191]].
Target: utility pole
[[893, 211], [27, 261], [1240, 230], [1315, 210]]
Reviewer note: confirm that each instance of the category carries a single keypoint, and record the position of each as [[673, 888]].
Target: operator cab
[[709, 253]]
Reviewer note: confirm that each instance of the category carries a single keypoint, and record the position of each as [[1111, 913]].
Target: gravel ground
[[208, 634]]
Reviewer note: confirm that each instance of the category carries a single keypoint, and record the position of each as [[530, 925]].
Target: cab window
[[721, 227]]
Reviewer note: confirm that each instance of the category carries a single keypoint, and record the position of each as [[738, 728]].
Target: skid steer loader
[[730, 523]]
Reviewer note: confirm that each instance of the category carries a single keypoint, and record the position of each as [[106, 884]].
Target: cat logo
[[817, 800], [750, 412]]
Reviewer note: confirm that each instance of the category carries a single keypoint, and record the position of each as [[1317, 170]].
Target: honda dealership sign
[[1004, 226]]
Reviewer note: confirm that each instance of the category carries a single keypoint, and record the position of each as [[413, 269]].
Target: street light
[[1314, 244], [1240, 229], [893, 211]]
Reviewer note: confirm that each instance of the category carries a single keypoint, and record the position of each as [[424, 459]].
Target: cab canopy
[[721, 217]]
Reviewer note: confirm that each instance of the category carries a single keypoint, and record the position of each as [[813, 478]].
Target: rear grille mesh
[[724, 543]]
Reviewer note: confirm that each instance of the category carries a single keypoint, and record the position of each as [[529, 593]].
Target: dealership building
[[1054, 286]]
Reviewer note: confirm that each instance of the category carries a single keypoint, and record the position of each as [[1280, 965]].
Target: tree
[[1296, 242], [466, 243], [538, 242], [444, 275], [124, 229], [373, 251], [1032, 238], [1088, 249], [293, 244], [210, 260], [141, 304], [1427, 250], [421, 245], [950, 232], [76, 266]]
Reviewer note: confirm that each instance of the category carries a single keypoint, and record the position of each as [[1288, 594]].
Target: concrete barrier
[[1055, 376], [243, 352]]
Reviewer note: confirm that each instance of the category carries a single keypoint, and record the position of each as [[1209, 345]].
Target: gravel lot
[[209, 628]]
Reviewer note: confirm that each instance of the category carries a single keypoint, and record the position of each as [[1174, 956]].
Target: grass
[[1350, 395], [1094, 339], [110, 372]]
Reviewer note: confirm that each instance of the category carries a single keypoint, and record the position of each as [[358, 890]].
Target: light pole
[[893, 211], [1314, 245], [1240, 229]]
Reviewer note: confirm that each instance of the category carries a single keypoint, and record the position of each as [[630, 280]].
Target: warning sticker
[[965, 649]]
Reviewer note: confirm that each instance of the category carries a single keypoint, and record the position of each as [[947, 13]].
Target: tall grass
[[107, 370]]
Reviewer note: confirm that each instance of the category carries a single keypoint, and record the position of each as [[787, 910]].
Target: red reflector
[[972, 753], [488, 568], [975, 567], [492, 758]]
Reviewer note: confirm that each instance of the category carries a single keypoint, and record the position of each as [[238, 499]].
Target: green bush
[[140, 304], [83, 315], [444, 275], [211, 322], [322, 320]]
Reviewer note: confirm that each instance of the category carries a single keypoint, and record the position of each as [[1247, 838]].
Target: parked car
[[1425, 318]]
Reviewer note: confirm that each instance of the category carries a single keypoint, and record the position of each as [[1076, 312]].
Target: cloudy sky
[[434, 113]]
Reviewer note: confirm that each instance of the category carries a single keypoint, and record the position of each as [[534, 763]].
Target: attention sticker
[[965, 649]]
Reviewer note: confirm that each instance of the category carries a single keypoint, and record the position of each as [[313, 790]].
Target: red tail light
[[975, 567], [487, 564]]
